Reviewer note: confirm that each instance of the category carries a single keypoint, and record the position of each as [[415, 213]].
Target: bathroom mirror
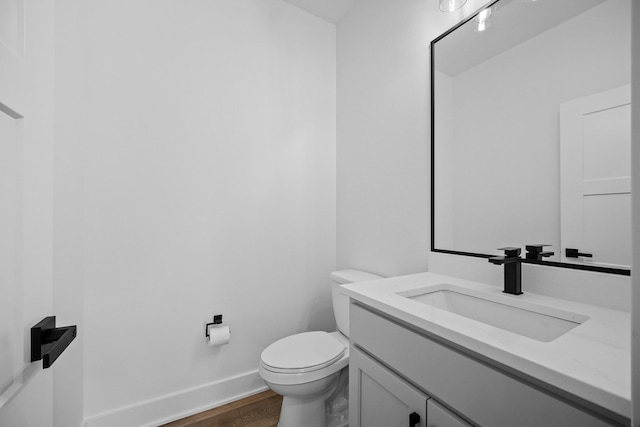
[[531, 132]]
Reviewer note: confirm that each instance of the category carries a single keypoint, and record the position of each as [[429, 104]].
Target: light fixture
[[483, 20], [451, 5]]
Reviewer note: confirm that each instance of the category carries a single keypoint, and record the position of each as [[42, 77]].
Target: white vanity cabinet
[[385, 399], [396, 370]]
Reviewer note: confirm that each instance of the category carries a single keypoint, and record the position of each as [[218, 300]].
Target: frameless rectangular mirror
[[531, 132]]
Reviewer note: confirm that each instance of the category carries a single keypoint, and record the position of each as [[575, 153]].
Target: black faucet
[[537, 252], [512, 269]]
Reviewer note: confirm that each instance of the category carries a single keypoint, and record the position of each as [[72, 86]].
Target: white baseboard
[[171, 407]]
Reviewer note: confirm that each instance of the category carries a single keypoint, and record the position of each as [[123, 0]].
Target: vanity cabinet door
[[437, 416], [378, 398]]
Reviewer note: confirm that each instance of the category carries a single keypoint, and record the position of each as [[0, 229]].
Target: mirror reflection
[[531, 131]]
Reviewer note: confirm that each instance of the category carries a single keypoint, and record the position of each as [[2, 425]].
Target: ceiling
[[329, 10], [516, 21]]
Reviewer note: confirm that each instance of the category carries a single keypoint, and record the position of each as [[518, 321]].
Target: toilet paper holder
[[48, 342], [217, 320]]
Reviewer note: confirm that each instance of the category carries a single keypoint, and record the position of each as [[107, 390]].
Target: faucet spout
[[500, 260]]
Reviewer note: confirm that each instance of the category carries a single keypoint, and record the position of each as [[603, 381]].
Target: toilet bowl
[[310, 367], [304, 369]]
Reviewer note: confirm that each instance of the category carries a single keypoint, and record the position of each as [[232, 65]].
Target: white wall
[[383, 133], [203, 167], [72, 54], [445, 131], [635, 154]]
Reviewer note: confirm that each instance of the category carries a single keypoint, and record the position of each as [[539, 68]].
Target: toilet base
[[305, 394], [307, 412]]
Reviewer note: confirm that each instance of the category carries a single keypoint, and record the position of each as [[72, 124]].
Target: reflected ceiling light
[[451, 5], [482, 20]]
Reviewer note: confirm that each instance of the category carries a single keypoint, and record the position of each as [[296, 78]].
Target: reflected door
[[11, 340], [595, 171], [26, 146]]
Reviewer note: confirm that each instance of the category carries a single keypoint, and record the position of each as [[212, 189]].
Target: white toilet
[[311, 368]]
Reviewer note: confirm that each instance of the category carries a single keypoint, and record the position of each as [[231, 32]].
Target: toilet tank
[[340, 301]]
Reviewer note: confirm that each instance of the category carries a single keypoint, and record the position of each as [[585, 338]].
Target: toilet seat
[[299, 376], [301, 353]]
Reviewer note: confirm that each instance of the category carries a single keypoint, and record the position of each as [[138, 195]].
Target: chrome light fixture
[[483, 20], [451, 5]]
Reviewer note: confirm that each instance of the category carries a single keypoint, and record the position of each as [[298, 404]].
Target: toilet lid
[[307, 351]]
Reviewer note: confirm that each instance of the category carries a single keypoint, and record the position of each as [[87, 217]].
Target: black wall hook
[[48, 342]]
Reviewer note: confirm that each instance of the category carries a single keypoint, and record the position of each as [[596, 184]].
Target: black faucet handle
[[575, 253], [538, 247], [537, 251], [511, 251]]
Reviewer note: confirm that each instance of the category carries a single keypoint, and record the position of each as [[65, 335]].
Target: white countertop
[[592, 361]]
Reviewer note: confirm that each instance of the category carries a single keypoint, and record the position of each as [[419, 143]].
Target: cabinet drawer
[[483, 394]]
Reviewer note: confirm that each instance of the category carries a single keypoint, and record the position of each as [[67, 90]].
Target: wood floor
[[260, 410]]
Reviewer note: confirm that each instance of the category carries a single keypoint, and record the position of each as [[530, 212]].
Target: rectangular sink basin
[[524, 318]]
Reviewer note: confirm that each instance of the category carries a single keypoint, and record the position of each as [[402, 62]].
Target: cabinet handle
[[414, 419]]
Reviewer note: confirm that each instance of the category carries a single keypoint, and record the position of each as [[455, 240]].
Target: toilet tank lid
[[353, 276]]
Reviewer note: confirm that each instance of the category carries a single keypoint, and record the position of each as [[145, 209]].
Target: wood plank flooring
[[260, 410]]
